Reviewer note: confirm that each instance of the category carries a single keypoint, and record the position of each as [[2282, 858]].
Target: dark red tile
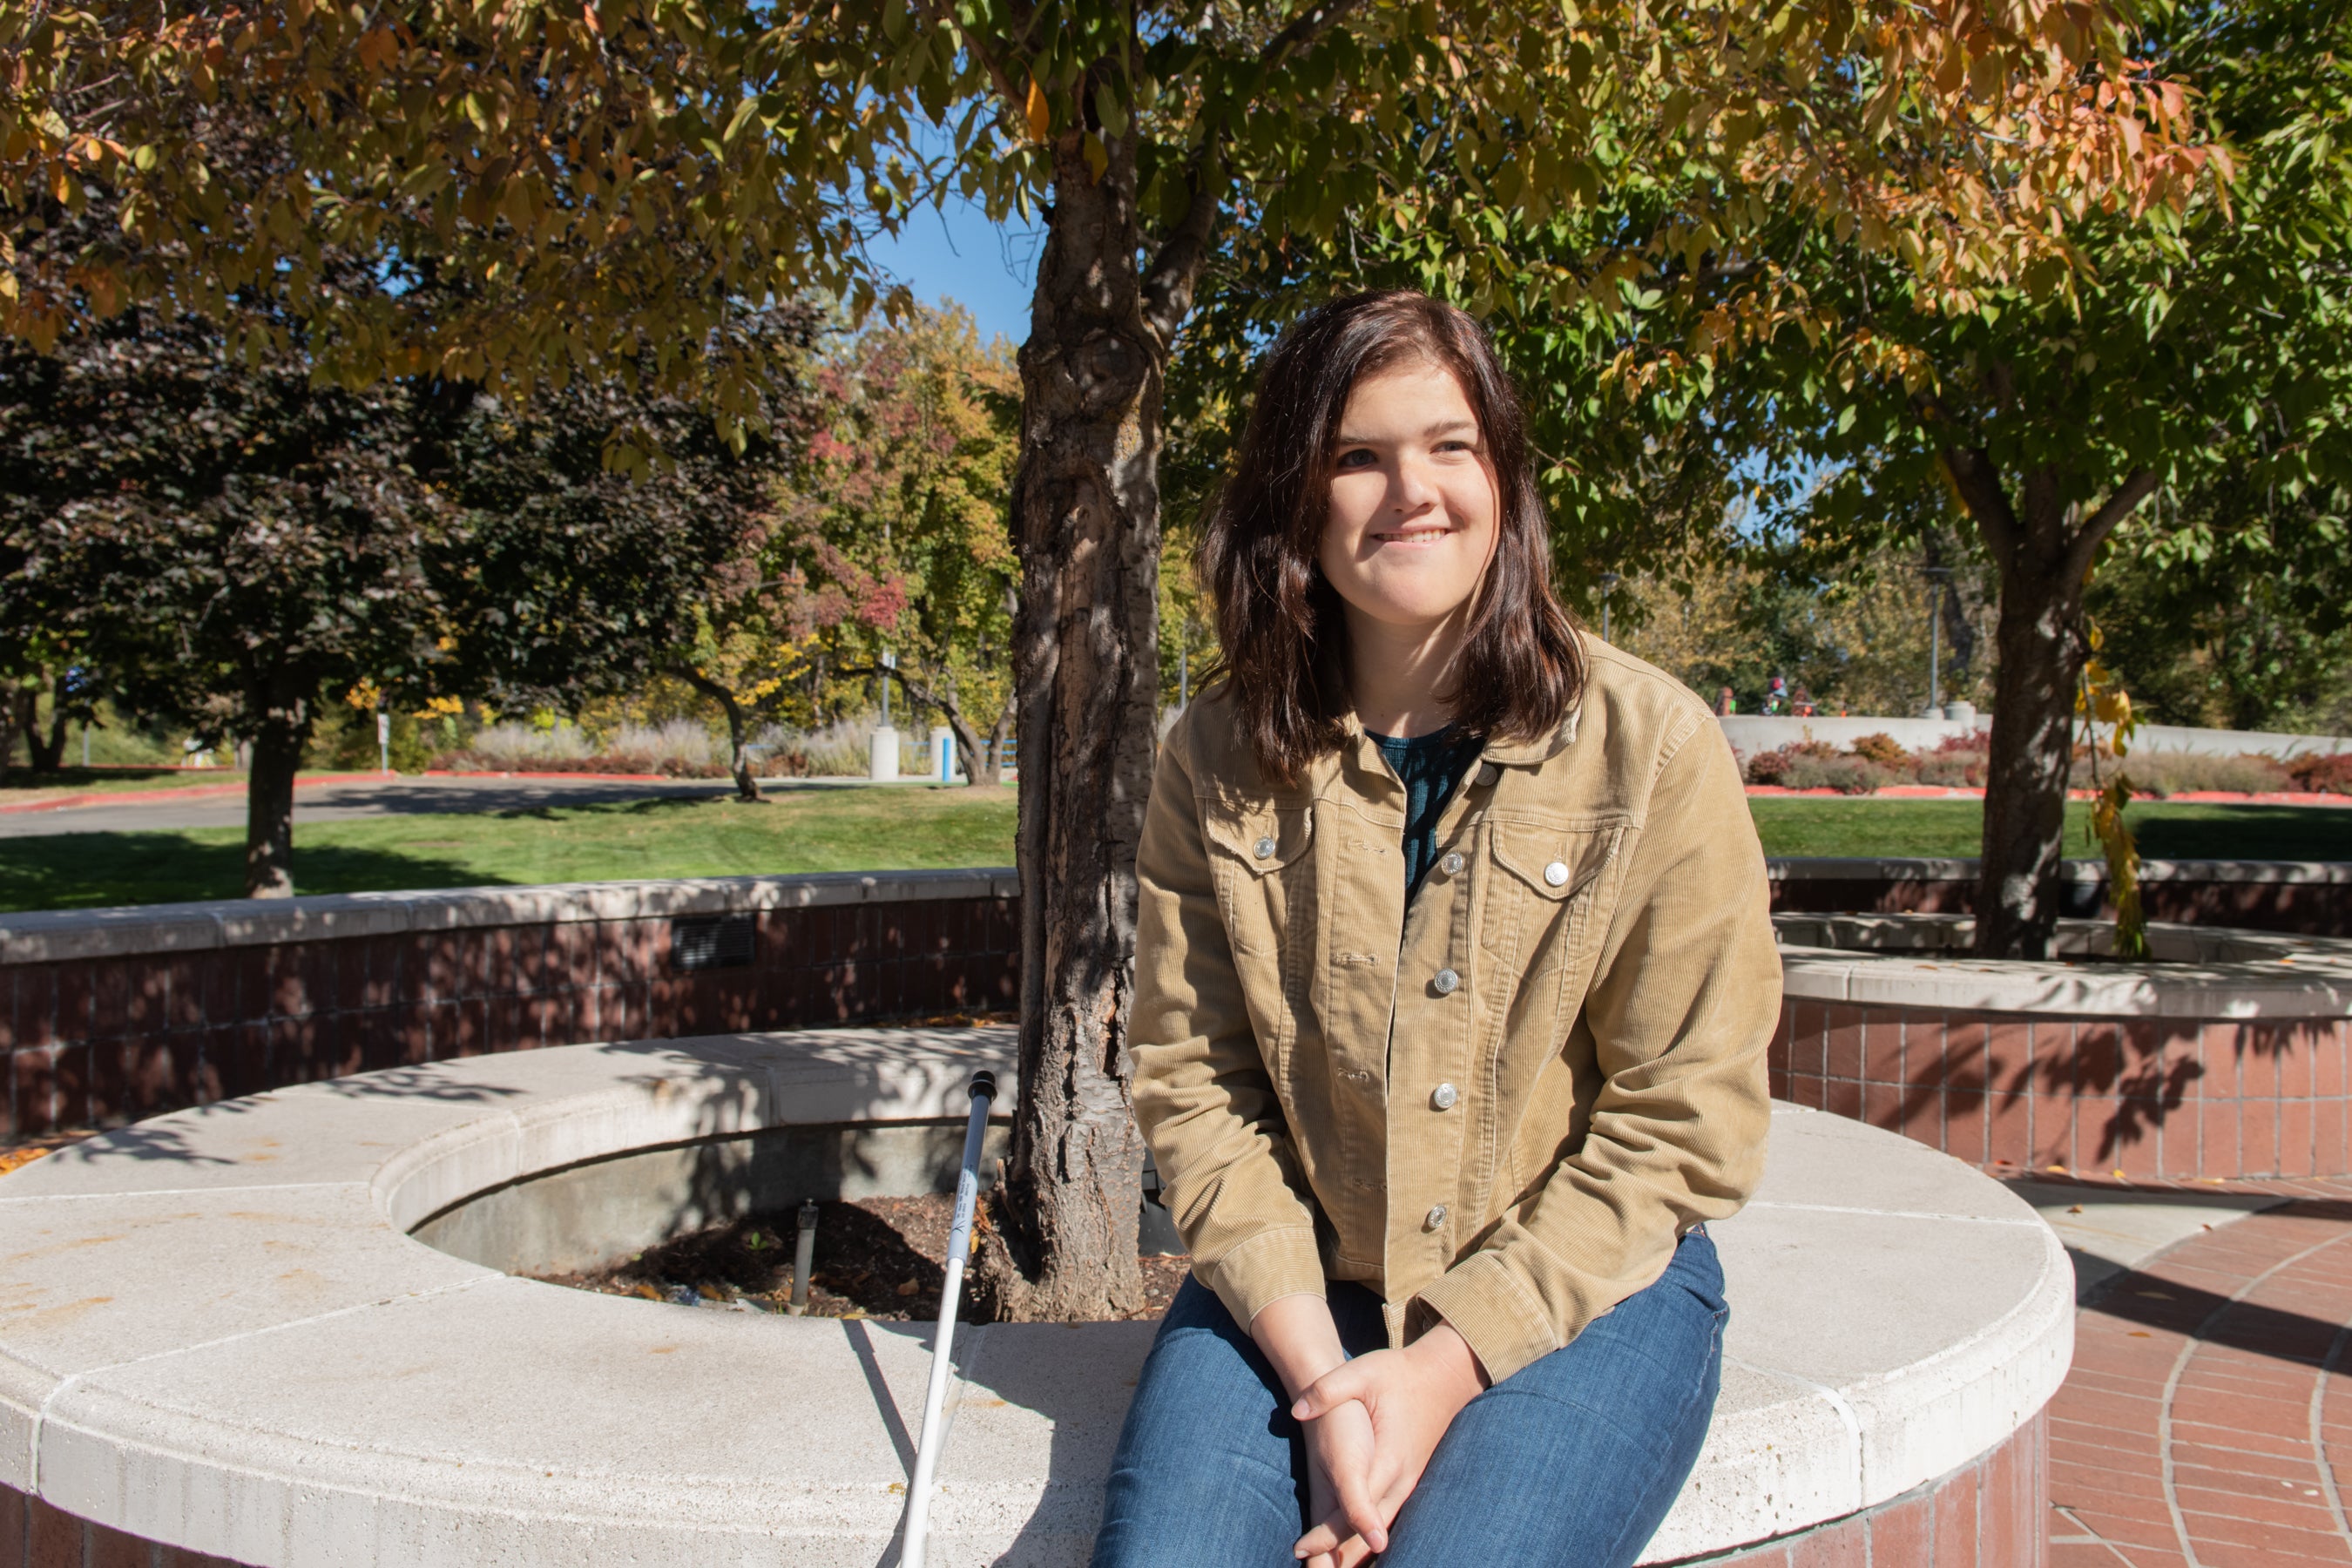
[[2098, 1058], [1956, 1519]]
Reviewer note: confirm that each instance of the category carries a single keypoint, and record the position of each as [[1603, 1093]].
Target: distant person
[[1479, 1167], [1725, 704], [1775, 696], [1800, 703]]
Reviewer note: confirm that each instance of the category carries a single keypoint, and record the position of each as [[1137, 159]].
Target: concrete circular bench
[[217, 1334], [2227, 1059]]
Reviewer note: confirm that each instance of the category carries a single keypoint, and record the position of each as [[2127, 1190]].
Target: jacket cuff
[[1492, 1309], [1269, 1265]]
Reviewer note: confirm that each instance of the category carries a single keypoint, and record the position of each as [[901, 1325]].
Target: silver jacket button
[[1435, 1219], [1488, 773], [1265, 847], [1555, 874], [1444, 1096], [1453, 864], [1447, 982]]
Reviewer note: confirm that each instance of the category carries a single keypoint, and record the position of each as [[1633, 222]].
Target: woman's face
[[1413, 516]]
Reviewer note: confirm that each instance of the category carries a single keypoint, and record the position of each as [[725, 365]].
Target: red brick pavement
[[2207, 1422]]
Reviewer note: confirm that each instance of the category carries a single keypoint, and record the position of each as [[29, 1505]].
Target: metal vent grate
[[711, 942]]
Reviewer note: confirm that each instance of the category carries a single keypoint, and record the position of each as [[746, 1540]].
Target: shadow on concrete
[[2206, 1316]]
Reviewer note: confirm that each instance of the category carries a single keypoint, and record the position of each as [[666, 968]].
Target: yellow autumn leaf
[[1040, 112]]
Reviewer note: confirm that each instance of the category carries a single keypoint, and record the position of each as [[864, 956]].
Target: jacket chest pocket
[[1264, 875], [1543, 918], [1259, 862]]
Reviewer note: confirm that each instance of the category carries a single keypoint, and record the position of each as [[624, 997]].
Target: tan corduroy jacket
[[1505, 1104]]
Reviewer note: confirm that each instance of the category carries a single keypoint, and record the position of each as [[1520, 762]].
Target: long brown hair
[[1281, 622]]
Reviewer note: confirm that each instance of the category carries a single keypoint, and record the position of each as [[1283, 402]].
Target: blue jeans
[[1571, 1462]]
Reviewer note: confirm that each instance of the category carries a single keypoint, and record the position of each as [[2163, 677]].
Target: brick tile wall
[[2150, 1098], [97, 1043]]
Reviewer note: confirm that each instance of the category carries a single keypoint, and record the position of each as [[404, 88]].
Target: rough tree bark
[[2044, 547], [1086, 523], [282, 722], [738, 729]]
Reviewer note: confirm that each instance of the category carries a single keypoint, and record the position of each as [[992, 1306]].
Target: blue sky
[[959, 254]]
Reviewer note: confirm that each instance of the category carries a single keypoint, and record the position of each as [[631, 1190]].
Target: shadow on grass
[[94, 870], [2201, 832]]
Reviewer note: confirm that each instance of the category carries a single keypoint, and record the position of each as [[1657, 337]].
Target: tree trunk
[[967, 740], [739, 725], [1086, 523], [2043, 546], [2038, 661], [985, 764], [28, 724], [270, 801], [48, 753]]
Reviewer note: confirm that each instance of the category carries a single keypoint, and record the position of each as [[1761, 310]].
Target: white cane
[[927, 1453]]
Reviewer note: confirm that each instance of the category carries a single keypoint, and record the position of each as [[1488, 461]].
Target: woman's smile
[[1412, 520]]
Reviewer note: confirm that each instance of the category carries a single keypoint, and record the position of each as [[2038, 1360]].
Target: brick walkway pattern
[[2208, 1420]]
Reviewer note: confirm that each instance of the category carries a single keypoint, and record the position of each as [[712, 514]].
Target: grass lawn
[[900, 826], [2189, 831], [909, 826]]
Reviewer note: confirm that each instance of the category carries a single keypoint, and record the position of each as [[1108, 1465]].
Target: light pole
[[1937, 577], [1608, 581], [1185, 665]]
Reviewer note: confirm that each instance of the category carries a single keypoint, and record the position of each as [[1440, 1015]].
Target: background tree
[[577, 579], [899, 521], [2233, 606], [224, 542], [1148, 137], [2047, 410]]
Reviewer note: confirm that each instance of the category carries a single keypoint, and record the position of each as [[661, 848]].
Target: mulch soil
[[875, 1257]]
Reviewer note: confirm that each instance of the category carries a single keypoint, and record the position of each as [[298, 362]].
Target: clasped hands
[[1371, 1423]]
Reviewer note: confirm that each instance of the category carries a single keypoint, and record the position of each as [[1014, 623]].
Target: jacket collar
[[1540, 749], [1360, 749]]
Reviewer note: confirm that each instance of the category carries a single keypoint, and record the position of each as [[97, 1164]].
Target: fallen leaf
[[909, 1287]]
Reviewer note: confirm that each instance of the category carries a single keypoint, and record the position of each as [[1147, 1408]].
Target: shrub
[[504, 747], [1953, 769], [1769, 767], [2163, 773], [840, 750], [2323, 774], [680, 740], [1845, 774], [1883, 749]]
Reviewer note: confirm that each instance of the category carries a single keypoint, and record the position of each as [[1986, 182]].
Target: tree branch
[[2137, 486], [1168, 283], [1977, 480]]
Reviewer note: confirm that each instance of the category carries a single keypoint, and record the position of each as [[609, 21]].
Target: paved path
[[134, 812], [2208, 1419]]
